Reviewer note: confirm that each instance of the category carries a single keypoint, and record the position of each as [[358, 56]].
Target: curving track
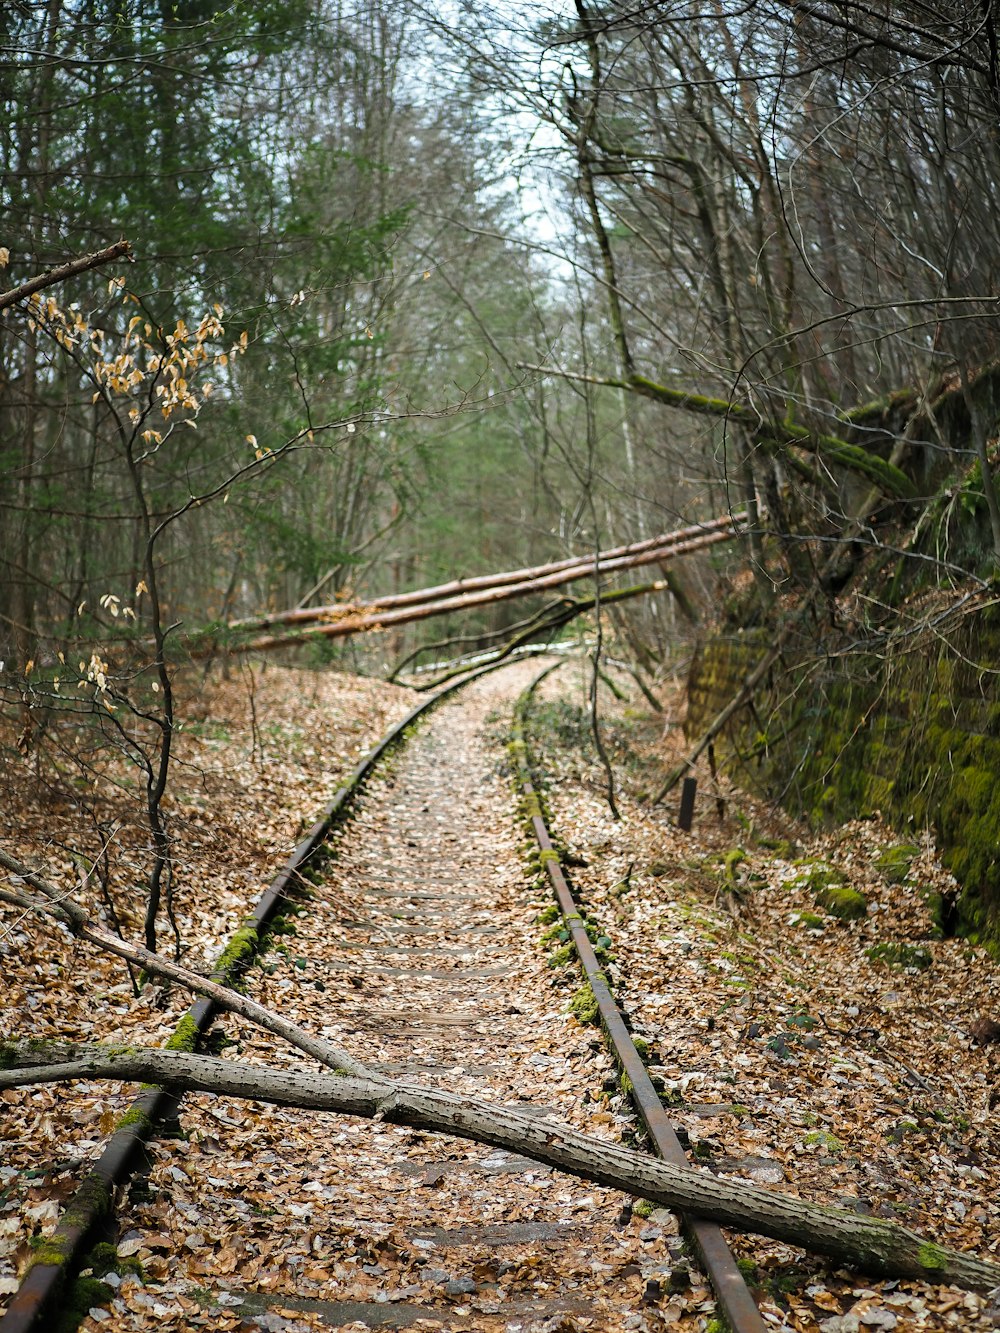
[[418, 953]]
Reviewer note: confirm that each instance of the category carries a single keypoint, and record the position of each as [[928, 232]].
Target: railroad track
[[419, 953]]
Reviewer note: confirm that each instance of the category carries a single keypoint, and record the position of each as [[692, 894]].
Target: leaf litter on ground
[[848, 1061], [793, 1055]]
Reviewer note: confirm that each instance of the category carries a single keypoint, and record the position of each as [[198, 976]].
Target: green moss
[[912, 956], [642, 1048], [104, 1258], [548, 855], [625, 1083], [91, 1203], [84, 1294], [846, 904], [931, 1258], [562, 956], [643, 1207], [817, 876], [531, 807], [732, 860], [584, 1005], [185, 1036], [894, 862], [548, 914], [809, 921], [821, 1138], [137, 1119], [238, 952], [781, 847], [54, 1250]]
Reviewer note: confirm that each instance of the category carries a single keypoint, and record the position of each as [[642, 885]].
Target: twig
[[120, 250]]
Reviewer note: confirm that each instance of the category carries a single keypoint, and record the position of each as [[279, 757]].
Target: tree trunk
[[480, 582], [349, 623], [864, 1243]]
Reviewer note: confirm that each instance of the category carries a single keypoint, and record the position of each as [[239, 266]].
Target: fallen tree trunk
[[421, 596], [349, 623], [866, 1243]]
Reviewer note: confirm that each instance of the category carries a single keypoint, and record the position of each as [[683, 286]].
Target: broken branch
[[866, 1243], [120, 250]]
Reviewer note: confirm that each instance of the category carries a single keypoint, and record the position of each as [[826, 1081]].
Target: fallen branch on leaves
[[866, 1243], [49, 901]]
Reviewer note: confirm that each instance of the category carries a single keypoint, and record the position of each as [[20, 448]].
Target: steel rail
[[735, 1299], [91, 1206]]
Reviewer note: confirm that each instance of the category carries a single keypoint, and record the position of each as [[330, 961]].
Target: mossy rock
[[809, 921], [913, 957], [818, 876], [894, 862], [843, 902]]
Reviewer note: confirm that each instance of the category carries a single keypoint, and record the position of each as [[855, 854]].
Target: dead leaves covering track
[[794, 1056]]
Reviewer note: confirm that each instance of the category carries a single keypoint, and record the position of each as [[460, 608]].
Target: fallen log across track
[[866, 1243], [574, 567], [342, 622], [417, 950]]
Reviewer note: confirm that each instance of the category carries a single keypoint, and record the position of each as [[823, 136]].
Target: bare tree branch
[[120, 250]]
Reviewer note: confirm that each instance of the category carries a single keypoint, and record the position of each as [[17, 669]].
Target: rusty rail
[[735, 1300], [91, 1206]]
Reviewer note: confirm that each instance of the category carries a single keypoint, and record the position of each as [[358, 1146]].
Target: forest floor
[[836, 1059]]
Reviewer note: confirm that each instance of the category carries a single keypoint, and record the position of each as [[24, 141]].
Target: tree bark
[[481, 582], [865, 1243], [351, 623]]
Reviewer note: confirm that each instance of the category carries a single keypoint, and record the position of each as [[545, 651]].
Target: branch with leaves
[[62, 272]]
